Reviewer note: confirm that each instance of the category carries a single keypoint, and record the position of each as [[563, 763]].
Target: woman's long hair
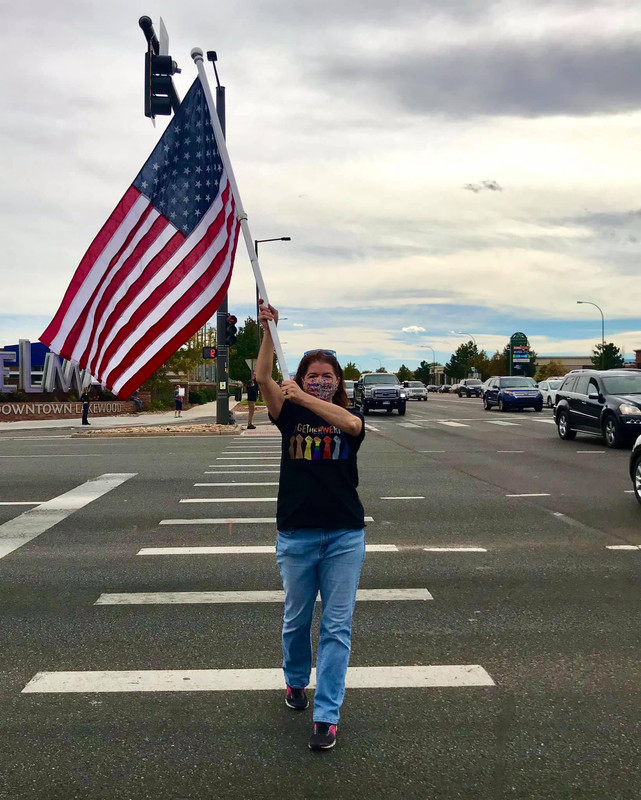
[[340, 397]]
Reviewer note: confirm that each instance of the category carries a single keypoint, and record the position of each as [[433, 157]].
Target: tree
[[381, 369], [459, 364], [422, 372], [612, 356], [551, 370], [246, 347], [498, 364], [351, 371], [404, 373], [182, 362]]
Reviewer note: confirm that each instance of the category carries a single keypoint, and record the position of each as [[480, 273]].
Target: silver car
[[349, 390], [549, 389], [415, 390]]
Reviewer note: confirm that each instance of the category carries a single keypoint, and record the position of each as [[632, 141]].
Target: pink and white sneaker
[[323, 736]]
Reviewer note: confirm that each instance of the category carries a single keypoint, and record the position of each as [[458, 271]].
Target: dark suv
[[379, 390], [471, 387], [601, 402], [513, 391]]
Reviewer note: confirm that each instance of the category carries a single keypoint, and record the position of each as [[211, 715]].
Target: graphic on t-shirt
[[319, 444]]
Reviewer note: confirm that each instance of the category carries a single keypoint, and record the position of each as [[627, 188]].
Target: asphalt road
[[538, 601]]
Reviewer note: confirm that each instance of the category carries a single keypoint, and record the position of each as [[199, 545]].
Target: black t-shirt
[[252, 392], [318, 473], [84, 397]]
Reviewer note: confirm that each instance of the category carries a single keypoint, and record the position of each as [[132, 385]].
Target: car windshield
[[554, 384], [415, 383], [473, 382], [381, 378], [349, 384], [622, 384], [515, 383]]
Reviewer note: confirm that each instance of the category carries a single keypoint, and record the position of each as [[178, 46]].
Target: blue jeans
[[330, 561]]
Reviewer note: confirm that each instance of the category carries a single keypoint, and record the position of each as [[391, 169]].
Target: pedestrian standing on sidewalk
[[320, 543], [252, 396], [178, 400], [85, 399]]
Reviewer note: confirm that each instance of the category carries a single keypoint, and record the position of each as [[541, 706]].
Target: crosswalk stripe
[[405, 497], [623, 547], [226, 520], [226, 466], [455, 550], [408, 425], [240, 550], [546, 421], [502, 422], [451, 424], [174, 598], [234, 458], [32, 523], [21, 502], [229, 680], [245, 472], [230, 500], [238, 483]]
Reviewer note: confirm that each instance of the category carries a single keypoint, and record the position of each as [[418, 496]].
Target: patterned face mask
[[323, 388]]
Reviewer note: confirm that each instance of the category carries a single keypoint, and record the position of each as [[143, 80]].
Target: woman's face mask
[[323, 388]]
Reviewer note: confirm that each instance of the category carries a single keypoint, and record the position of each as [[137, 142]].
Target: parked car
[[548, 389], [600, 402], [379, 390], [635, 468], [470, 387], [454, 388], [444, 388], [415, 390], [432, 387], [484, 386], [509, 392], [349, 390]]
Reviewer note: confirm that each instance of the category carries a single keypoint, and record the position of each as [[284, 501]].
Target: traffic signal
[[209, 352], [230, 330], [160, 95]]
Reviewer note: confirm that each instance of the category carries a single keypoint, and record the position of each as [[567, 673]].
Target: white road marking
[[32, 523], [547, 421], [502, 422], [592, 452], [405, 497], [245, 472], [455, 550], [226, 521], [229, 680], [623, 547], [230, 500], [21, 503], [540, 494], [175, 598], [369, 427], [237, 483], [451, 424], [628, 491], [236, 457], [225, 466], [408, 425], [240, 550], [61, 455], [432, 451], [510, 451]]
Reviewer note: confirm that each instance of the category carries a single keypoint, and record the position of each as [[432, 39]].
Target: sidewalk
[[203, 413]]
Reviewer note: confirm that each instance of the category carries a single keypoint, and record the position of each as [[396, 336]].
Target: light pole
[[256, 243], [589, 303], [462, 333], [433, 360], [380, 363]]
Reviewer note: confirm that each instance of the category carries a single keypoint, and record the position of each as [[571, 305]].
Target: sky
[[444, 170]]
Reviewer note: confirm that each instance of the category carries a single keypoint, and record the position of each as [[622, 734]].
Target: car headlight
[[403, 395], [368, 392], [507, 391], [626, 409]]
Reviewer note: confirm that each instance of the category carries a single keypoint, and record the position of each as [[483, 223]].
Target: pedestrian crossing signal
[[209, 352]]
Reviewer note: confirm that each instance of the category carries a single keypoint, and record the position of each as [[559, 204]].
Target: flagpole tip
[[197, 54]]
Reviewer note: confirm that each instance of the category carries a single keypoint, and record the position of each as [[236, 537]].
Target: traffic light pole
[[222, 353]]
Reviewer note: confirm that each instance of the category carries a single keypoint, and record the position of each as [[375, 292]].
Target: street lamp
[[589, 303], [256, 243], [433, 360], [461, 333]]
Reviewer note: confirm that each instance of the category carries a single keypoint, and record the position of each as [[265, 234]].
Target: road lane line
[[592, 452], [21, 503], [432, 451], [61, 455], [502, 422], [369, 427], [244, 680], [540, 494], [177, 598], [408, 425], [230, 500], [452, 424], [405, 497], [623, 547], [226, 521], [225, 466], [237, 483], [245, 472], [546, 421], [234, 458], [32, 523], [240, 550], [510, 451], [455, 550]]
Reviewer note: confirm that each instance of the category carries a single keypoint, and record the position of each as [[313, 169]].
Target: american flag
[[161, 264]]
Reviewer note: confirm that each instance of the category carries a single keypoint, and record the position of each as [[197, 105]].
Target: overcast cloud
[[355, 127]]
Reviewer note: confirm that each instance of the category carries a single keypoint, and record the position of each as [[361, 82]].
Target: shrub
[[195, 398]]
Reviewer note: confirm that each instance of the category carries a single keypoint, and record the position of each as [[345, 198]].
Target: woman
[[178, 400], [321, 538]]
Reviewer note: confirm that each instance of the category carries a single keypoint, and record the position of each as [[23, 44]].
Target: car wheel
[[401, 410], [539, 408], [563, 426], [611, 432], [636, 472], [389, 410], [365, 409], [486, 404], [549, 402], [501, 404]]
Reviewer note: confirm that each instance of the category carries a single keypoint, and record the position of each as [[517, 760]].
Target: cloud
[[492, 186], [298, 325], [413, 329]]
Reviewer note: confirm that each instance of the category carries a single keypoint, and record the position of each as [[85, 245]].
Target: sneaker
[[296, 699], [323, 736], [251, 427]]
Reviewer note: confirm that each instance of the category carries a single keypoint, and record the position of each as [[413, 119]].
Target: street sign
[[519, 350], [251, 363]]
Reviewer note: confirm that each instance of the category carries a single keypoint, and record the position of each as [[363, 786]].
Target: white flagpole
[[197, 55]]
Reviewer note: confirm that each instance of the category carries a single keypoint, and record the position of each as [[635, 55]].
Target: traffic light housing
[[160, 94], [209, 352], [230, 330]]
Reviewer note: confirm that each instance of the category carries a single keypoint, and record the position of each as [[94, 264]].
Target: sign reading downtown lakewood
[[40, 410]]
